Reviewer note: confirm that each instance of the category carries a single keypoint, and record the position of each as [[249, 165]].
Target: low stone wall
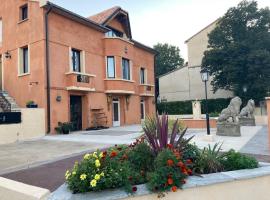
[[13, 190], [32, 126], [246, 184]]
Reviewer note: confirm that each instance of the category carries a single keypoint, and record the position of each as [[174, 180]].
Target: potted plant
[[31, 104], [64, 127]]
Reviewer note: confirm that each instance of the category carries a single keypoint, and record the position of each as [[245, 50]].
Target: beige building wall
[[186, 83]]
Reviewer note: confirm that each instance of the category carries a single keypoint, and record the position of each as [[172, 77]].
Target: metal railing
[[4, 103]]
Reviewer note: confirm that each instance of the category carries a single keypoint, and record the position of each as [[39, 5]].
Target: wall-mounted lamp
[[7, 54], [33, 83], [109, 101], [58, 98], [127, 100], [126, 50]]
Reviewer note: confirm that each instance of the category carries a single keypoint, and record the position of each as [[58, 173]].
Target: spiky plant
[[157, 133]]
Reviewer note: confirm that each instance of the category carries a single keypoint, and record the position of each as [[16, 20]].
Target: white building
[[185, 83]]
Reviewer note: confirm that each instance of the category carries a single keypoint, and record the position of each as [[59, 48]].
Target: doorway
[[116, 112], [142, 110], [76, 112]]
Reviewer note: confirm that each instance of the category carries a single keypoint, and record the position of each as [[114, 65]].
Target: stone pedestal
[[245, 121], [196, 109], [228, 129]]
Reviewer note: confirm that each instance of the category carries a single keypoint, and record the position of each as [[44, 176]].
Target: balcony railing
[[80, 81]]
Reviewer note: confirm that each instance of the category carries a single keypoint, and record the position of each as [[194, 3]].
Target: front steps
[[7, 103]]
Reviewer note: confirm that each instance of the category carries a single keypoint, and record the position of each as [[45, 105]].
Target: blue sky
[[152, 21]]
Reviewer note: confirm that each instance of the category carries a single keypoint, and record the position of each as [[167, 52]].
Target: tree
[[168, 58], [239, 51]]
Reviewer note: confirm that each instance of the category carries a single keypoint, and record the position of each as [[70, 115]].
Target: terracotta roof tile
[[101, 17]]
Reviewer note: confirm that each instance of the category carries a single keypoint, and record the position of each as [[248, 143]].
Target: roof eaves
[[73, 16], [142, 46]]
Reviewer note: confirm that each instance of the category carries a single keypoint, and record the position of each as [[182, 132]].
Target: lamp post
[[205, 77]]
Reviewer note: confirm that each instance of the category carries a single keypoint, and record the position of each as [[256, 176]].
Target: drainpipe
[[156, 83], [48, 70]]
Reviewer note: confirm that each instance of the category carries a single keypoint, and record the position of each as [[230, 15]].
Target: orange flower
[[113, 154], [170, 146], [189, 171], [189, 161], [170, 181], [170, 162], [180, 164], [174, 188]]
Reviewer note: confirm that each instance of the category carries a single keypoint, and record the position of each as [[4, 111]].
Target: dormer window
[[24, 12], [114, 33]]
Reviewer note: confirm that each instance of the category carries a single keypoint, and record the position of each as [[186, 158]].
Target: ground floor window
[[142, 109]]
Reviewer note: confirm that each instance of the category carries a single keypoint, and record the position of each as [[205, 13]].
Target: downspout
[[156, 83], [48, 70]]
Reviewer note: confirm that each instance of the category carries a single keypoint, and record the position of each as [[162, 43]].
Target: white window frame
[[82, 60], [106, 61], [20, 61], [130, 69], [145, 76]]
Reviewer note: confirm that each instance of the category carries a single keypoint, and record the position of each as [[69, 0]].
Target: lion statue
[[248, 110], [230, 113]]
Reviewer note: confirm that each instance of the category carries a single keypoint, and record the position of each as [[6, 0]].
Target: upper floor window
[[114, 33], [76, 60], [142, 76], [126, 69], [24, 12], [110, 67], [24, 60]]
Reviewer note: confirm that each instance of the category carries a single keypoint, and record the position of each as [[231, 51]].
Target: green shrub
[[191, 152], [185, 107], [209, 160], [233, 160], [170, 172]]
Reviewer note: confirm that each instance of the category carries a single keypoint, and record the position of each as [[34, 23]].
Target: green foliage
[[235, 161], [181, 124], [168, 58], [185, 107], [64, 127], [191, 152], [239, 51], [166, 175], [210, 160]]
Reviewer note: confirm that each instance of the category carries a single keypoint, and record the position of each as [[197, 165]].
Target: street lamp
[[205, 78]]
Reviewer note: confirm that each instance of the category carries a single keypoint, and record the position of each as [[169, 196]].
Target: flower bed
[[161, 160]]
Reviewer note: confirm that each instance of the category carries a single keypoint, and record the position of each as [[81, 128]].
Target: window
[[24, 12], [114, 33], [142, 110], [24, 60], [126, 69], [110, 67], [76, 60], [142, 76]]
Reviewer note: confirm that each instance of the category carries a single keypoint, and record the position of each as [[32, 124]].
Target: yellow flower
[[97, 163], [93, 183], [95, 155], [97, 177], [67, 175], [101, 155], [74, 173], [83, 176], [102, 174], [87, 156]]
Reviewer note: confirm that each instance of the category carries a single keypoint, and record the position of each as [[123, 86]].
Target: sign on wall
[[10, 117]]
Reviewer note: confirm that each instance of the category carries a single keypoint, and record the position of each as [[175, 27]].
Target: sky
[[163, 21]]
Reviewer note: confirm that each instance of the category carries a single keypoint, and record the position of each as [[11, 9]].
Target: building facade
[[88, 71], [185, 83]]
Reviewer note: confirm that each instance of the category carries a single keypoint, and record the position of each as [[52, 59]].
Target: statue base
[[245, 121], [228, 129]]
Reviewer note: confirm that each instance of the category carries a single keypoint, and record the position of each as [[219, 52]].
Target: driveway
[[51, 148]]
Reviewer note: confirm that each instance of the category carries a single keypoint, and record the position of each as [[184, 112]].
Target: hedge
[[185, 107]]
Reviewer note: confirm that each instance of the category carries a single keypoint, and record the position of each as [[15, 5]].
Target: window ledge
[[146, 84], [81, 73], [21, 21], [118, 79], [119, 38], [25, 74]]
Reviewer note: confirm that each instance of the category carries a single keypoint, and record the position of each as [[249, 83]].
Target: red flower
[[174, 188], [170, 146], [134, 188], [189, 161], [189, 171], [184, 181], [170, 162], [170, 181], [180, 164], [113, 154]]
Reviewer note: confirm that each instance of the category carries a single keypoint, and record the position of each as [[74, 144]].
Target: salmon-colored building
[[88, 71]]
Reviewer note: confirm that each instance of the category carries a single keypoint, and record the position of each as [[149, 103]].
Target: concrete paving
[[28, 154]]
